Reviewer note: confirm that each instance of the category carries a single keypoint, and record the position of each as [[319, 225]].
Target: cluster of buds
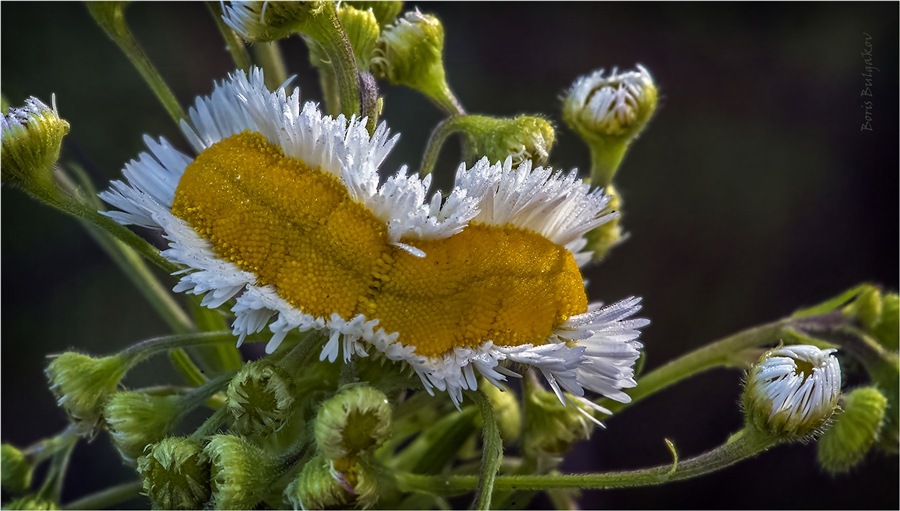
[[349, 427], [82, 384]]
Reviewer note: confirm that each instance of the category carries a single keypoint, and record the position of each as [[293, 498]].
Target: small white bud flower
[[792, 391], [618, 105], [31, 140]]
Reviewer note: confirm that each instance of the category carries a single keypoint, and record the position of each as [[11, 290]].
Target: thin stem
[[492, 451], [182, 361], [111, 17], [53, 482], [740, 446], [202, 394], [330, 34], [268, 56], [443, 130], [150, 347], [235, 44], [605, 160], [109, 497], [446, 100], [724, 352], [211, 424]]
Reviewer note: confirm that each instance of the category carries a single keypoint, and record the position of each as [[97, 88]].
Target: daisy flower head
[[281, 210]]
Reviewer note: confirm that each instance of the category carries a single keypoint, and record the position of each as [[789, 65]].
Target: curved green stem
[[145, 349], [443, 130], [211, 424], [268, 55], [329, 33], [111, 17], [742, 445], [235, 44], [492, 451], [109, 497]]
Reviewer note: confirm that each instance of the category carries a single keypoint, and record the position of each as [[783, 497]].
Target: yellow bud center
[[297, 228]]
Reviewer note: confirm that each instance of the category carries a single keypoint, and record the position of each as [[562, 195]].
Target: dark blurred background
[[753, 192]]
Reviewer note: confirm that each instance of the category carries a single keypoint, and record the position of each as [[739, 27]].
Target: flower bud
[[523, 138], [603, 238], [15, 469], [354, 420], [506, 411], [792, 391], [618, 105], [866, 308], [136, 420], [240, 472], [608, 113], [550, 427], [31, 140], [887, 330], [319, 486], [362, 31], [32, 502], [176, 474], [384, 11], [855, 430], [262, 22], [261, 398], [82, 384], [409, 53]]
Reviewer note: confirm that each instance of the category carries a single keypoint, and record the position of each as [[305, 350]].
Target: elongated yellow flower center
[[297, 228]]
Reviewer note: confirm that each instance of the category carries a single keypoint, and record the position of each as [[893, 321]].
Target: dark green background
[[752, 193]]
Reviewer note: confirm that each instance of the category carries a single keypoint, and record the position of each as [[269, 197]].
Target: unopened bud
[[552, 428], [866, 309], [854, 431], [523, 138], [175, 473], [82, 384], [409, 53], [33, 502], [240, 472], [362, 31], [887, 330], [31, 140], [385, 12], [506, 411], [354, 420], [261, 398], [136, 420], [792, 391], [15, 469], [603, 238], [261, 22], [320, 485]]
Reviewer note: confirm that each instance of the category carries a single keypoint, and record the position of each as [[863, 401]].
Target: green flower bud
[[15, 469], [385, 12], [792, 391], [82, 384], [506, 411], [867, 308], [846, 443], [608, 112], [887, 330], [262, 22], [523, 138], [261, 398], [409, 53], [354, 420], [31, 139], [322, 485], [603, 238], [31, 502], [136, 420], [176, 474], [362, 31], [551, 428], [240, 472]]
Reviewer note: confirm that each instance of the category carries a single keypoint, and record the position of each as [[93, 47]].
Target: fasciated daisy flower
[[282, 211]]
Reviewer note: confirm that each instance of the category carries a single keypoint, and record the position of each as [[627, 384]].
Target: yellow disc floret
[[297, 228]]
